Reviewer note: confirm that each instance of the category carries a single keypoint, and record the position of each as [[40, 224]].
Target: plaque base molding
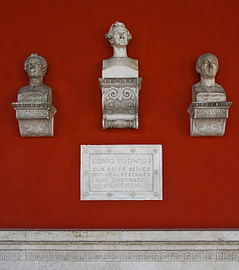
[[119, 250]]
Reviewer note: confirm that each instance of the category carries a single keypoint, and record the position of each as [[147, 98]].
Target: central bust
[[120, 82], [119, 65]]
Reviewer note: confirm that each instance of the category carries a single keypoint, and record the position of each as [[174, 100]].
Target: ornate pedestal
[[35, 119], [120, 102], [208, 118]]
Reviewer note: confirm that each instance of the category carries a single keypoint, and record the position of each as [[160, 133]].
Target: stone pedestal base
[[35, 119], [120, 102], [208, 118]]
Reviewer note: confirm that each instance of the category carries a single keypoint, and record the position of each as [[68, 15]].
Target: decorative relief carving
[[121, 100], [120, 84], [107, 249], [34, 109], [12, 255], [121, 256], [209, 109]]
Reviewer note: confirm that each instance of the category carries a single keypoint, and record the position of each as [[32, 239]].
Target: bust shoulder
[[208, 89], [24, 89], [41, 93], [41, 88], [201, 93], [120, 67], [120, 61]]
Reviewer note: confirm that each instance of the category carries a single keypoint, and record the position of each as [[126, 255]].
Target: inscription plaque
[[121, 172]]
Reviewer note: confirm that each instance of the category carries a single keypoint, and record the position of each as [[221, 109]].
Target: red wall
[[40, 177]]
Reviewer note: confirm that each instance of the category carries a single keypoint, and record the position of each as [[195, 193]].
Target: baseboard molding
[[119, 250]]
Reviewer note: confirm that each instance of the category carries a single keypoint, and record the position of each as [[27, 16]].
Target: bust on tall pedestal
[[209, 109], [120, 83], [34, 109]]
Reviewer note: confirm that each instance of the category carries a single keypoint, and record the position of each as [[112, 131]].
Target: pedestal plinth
[[120, 100], [208, 118], [35, 119]]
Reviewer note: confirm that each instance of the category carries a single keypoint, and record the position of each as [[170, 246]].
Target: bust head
[[35, 66], [118, 35], [207, 66]]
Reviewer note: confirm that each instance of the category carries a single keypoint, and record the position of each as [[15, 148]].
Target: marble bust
[[120, 82], [119, 65], [34, 109], [36, 90], [209, 108], [207, 89]]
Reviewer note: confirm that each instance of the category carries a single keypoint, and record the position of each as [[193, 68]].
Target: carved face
[[120, 37], [34, 68], [209, 67]]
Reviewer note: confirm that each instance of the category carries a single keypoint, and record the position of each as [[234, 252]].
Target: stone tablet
[[121, 172]]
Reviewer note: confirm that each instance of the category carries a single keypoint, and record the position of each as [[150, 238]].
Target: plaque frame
[[88, 190]]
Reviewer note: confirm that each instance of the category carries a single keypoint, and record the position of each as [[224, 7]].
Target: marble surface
[[119, 249], [34, 109], [209, 109], [120, 82], [121, 172], [119, 65]]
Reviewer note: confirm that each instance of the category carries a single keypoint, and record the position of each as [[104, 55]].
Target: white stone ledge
[[119, 249], [119, 235]]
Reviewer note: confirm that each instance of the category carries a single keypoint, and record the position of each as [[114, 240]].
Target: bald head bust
[[207, 90]]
